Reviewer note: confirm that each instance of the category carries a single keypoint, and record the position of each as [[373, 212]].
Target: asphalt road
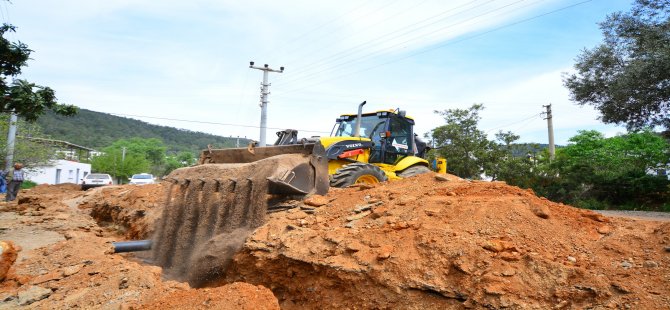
[[644, 215]]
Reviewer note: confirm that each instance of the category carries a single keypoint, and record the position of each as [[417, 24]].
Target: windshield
[[97, 176], [142, 176], [369, 123]]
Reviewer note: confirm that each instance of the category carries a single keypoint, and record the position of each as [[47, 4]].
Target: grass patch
[[28, 184]]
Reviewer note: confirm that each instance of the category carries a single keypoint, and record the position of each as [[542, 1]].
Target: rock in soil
[[316, 201], [8, 255], [33, 294]]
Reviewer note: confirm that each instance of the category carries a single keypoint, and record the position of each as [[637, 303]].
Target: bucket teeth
[[211, 203], [201, 209]]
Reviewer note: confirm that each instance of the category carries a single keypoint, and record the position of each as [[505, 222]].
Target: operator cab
[[391, 133]]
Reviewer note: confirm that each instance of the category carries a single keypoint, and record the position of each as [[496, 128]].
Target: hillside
[[98, 130]]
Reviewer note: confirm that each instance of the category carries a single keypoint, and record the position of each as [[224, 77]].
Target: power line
[[517, 122], [368, 27], [304, 34], [209, 123], [5, 14], [393, 100], [384, 50], [440, 46], [357, 47], [299, 48], [524, 124]]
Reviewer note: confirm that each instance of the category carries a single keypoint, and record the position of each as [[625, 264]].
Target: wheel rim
[[368, 179]]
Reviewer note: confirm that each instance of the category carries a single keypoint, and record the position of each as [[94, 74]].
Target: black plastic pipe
[[131, 246]]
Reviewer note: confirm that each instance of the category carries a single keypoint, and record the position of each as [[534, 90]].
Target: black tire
[[357, 173], [413, 170]]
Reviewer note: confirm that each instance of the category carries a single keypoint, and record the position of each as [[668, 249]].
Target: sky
[[185, 64]]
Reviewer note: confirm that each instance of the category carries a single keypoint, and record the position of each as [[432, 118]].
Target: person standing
[[3, 182], [15, 183]]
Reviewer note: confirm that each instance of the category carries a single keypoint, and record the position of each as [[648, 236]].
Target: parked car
[[96, 180], [142, 178]]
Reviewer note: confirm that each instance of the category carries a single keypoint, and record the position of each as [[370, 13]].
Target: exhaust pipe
[[131, 246], [357, 132]]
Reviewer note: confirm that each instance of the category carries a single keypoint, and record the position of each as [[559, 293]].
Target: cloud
[[188, 60]]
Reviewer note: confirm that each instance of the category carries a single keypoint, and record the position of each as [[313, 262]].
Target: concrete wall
[[63, 171]]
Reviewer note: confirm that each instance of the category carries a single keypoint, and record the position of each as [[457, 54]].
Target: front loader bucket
[[304, 172], [212, 207]]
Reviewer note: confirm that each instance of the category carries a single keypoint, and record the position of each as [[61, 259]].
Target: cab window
[[369, 123], [400, 142]]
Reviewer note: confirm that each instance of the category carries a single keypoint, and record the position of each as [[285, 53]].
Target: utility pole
[[11, 140], [264, 97], [123, 159], [550, 128]]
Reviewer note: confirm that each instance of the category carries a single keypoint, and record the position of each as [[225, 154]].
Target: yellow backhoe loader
[[363, 148]]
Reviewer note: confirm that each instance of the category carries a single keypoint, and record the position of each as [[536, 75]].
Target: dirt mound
[[54, 189], [426, 243], [42, 196], [235, 296]]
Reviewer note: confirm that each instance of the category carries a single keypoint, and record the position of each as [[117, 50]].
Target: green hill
[[98, 130]]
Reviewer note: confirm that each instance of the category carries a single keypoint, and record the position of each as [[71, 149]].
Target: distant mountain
[[98, 130]]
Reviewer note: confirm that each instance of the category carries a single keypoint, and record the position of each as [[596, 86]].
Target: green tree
[[141, 155], [509, 162], [461, 142], [26, 99], [611, 171], [31, 153], [627, 77], [183, 159], [152, 149], [113, 162]]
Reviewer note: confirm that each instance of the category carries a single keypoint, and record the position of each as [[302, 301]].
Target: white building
[[62, 171]]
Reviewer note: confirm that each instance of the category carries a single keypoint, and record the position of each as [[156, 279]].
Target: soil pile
[[441, 242], [236, 296], [431, 241]]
